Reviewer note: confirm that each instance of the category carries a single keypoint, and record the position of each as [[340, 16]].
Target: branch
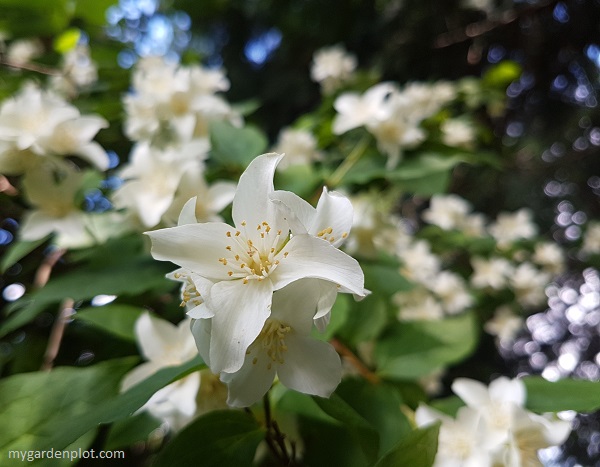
[[42, 274], [480, 28], [56, 335], [30, 67], [355, 361]]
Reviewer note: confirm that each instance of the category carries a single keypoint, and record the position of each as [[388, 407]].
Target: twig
[[56, 335], [348, 163], [7, 187], [30, 67], [275, 438], [43, 272], [355, 361], [480, 28]]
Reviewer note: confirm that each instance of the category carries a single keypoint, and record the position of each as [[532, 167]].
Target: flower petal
[[312, 257], [296, 304], [197, 247], [508, 390], [201, 329], [139, 373], [251, 202], [311, 366], [154, 336], [473, 393], [298, 213], [188, 212], [248, 385], [240, 313], [333, 211]]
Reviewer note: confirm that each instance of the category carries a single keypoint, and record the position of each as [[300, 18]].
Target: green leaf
[[46, 410], [67, 40], [385, 279], [236, 146], [565, 394], [34, 17], [410, 350], [380, 406], [501, 75], [218, 439], [115, 318], [130, 277], [448, 405], [363, 432], [93, 12], [131, 430], [417, 449], [365, 320], [17, 251]]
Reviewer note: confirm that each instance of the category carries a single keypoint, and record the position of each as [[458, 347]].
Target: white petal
[[251, 202], [197, 247], [240, 313], [298, 213], [248, 385], [508, 390], [311, 366], [36, 225], [201, 329], [473, 393], [220, 195], [333, 210], [138, 374], [94, 153], [154, 335], [296, 304], [315, 258], [426, 415], [188, 212]]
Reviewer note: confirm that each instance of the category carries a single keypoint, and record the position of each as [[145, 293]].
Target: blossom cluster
[[256, 289], [494, 428]]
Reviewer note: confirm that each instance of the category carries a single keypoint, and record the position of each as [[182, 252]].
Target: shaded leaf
[[417, 449], [115, 318], [565, 394]]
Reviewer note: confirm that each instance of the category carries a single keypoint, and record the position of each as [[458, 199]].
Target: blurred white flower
[[299, 146], [42, 123], [332, 67], [247, 263], [510, 227], [22, 51], [493, 272], [591, 238], [550, 257], [505, 324], [451, 289], [447, 211], [419, 263], [529, 284], [417, 304], [462, 441], [458, 133], [77, 71], [54, 208], [163, 345]]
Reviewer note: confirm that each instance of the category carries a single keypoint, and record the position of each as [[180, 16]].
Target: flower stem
[[339, 173], [355, 361], [275, 438]]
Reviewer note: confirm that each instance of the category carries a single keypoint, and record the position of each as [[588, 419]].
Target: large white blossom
[[250, 261], [493, 272], [163, 345]]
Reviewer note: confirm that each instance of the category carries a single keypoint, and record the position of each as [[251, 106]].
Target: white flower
[[529, 284], [152, 177], [55, 210], [163, 345], [591, 238], [426, 99], [420, 264], [462, 442], [299, 146], [550, 256], [46, 125], [22, 51], [510, 227], [250, 261], [505, 324], [450, 287], [355, 110], [417, 305], [285, 348], [210, 200], [331, 67], [457, 132], [493, 272], [496, 404], [447, 211], [78, 71]]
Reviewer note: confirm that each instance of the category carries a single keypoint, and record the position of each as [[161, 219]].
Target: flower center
[[249, 260], [189, 291], [272, 341]]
